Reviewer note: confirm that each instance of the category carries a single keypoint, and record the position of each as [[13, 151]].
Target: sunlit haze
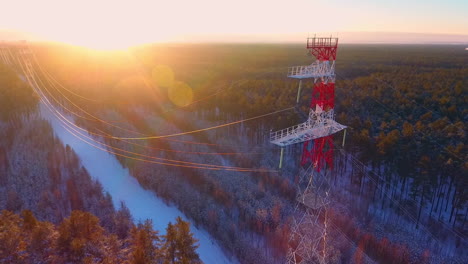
[[232, 132], [114, 24]]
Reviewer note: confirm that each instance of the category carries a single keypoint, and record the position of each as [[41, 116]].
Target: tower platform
[[318, 69], [319, 124]]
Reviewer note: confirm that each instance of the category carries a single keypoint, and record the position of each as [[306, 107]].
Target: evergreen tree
[[145, 244], [123, 221], [41, 247], [79, 235], [78, 239], [186, 244], [170, 244], [180, 246], [29, 221], [11, 238]]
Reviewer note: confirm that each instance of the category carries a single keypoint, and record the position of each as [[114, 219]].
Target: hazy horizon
[[293, 38], [109, 24]]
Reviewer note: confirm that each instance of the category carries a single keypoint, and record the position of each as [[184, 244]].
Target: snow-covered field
[[117, 181]]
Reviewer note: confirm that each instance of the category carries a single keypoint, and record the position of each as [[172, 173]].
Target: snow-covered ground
[[117, 181]]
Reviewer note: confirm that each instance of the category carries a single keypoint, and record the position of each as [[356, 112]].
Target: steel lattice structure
[[321, 124], [308, 240]]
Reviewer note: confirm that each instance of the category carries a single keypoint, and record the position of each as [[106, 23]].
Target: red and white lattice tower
[[323, 96], [321, 124], [308, 240]]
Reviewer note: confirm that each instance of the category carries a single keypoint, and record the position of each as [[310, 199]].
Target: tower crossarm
[[318, 69], [319, 124]]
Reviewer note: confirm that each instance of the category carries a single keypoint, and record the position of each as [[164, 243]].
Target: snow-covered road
[[117, 181]]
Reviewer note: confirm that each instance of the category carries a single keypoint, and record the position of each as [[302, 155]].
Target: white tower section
[[318, 69], [319, 124]]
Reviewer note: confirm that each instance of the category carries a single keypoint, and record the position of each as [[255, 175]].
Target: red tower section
[[323, 95]]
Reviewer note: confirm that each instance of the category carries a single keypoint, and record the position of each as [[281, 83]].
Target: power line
[[45, 72], [101, 120], [182, 133], [186, 152], [208, 128], [62, 119], [157, 158], [170, 164]]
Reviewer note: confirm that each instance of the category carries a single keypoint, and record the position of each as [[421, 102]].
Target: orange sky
[[117, 23]]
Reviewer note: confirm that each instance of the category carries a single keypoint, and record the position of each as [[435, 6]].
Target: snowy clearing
[[143, 204]]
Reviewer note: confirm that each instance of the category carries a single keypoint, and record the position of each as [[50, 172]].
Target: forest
[[67, 218], [80, 238], [404, 161]]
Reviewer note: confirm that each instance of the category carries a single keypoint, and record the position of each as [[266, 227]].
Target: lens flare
[[163, 76], [180, 94]]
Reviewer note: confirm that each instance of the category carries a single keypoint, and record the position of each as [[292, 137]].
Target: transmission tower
[[321, 124], [308, 239]]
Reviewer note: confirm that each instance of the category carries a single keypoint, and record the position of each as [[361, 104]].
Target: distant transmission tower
[[308, 240]]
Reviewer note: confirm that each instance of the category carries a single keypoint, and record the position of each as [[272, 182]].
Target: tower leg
[[299, 92], [281, 158], [344, 138]]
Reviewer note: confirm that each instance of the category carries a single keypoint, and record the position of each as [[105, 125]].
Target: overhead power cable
[[46, 74], [208, 128], [191, 164], [197, 130], [70, 124], [108, 135]]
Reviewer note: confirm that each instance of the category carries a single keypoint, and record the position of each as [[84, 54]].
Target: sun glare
[[102, 44], [104, 25], [99, 35], [116, 25]]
